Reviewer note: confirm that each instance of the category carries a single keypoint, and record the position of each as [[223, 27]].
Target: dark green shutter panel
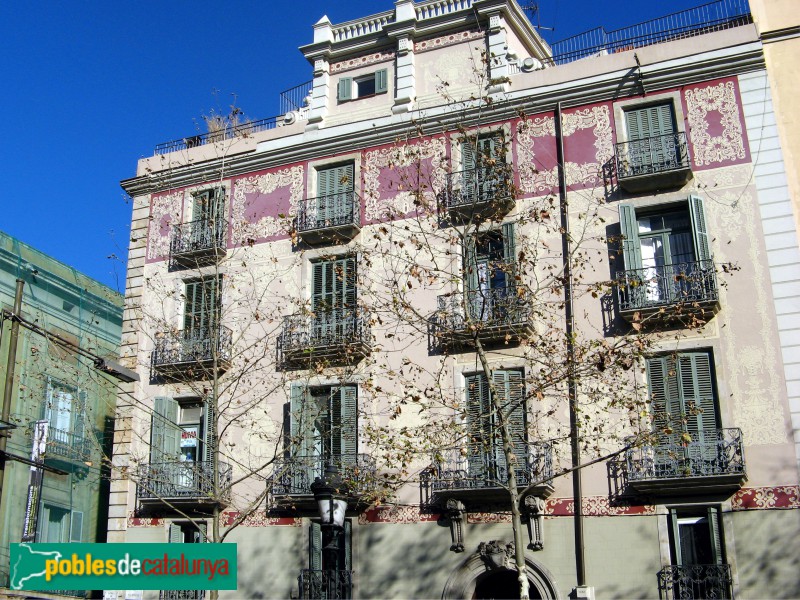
[[202, 531], [702, 247], [175, 534], [315, 546], [665, 395], [468, 154], [209, 430], [347, 539], [75, 527], [510, 388], [381, 81], [715, 531], [165, 433], [349, 282], [348, 434], [676, 537], [320, 274], [202, 306], [303, 413], [345, 90], [648, 122], [510, 254], [697, 393], [478, 428], [470, 262], [629, 227]]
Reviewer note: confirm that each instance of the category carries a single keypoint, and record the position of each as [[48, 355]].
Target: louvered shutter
[[702, 247], [676, 537], [478, 430], [470, 262], [381, 81], [164, 433], [348, 424], [649, 122], [511, 391], [315, 546], [510, 257], [201, 533], [697, 394], [657, 385], [175, 534], [345, 89], [202, 306], [629, 227], [346, 540], [303, 413], [76, 527], [715, 531], [209, 430]]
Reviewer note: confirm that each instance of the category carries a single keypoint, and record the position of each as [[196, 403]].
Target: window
[[483, 163], [187, 532], [486, 458], [323, 427], [667, 256], [62, 412], [360, 87], [201, 313], [333, 298], [651, 138], [60, 525], [334, 203], [489, 269], [208, 205], [695, 536], [330, 572], [182, 432]]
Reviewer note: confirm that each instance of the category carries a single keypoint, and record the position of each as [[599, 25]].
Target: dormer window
[[352, 88]]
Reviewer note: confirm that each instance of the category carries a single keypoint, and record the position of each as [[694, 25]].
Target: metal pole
[[9, 384], [580, 565]]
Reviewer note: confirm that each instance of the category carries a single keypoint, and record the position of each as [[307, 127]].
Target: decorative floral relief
[[361, 61], [165, 209], [724, 177], [267, 226], [767, 498], [729, 144], [394, 514], [448, 40], [396, 158], [259, 518]]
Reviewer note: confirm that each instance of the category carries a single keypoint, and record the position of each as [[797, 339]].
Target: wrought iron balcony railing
[[182, 595], [339, 336], [198, 241], [192, 352], [458, 473], [67, 445], [327, 218], [293, 476], [184, 482], [691, 284], [652, 155], [695, 582], [479, 193], [325, 584], [716, 452], [492, 314]]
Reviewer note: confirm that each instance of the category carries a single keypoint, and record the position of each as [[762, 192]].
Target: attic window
[[352, 88]]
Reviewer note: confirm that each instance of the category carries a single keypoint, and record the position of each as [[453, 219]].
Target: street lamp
[[330, 493]]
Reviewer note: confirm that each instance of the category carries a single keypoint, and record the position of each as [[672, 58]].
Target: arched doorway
[[501, 584]]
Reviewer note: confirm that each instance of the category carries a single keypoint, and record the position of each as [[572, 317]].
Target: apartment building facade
[[60, 406], [371, 288]]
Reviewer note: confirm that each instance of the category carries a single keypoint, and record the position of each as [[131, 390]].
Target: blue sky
[[91, 86]]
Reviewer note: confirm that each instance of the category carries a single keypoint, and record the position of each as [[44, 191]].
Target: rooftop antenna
[[532, 10]]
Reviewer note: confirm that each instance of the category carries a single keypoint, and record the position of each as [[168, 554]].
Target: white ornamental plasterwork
[[534, 180], [168, 205], [448, 40], [723, 177], [266, 226], [399, 157], [729, 144], [362, 61]]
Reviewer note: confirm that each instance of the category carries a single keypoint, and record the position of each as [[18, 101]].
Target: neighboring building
[[313, 290], [56, 385]]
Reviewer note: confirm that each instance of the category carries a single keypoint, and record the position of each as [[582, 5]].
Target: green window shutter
[[479, 431], [175, 534], [470, 262], [79, 415], [468, 154], [320, 278], [715, 530], [303, 414], [345, 89], [510, 252], [202, 305], [651, 121], [202, 532], [665, 399], [209, 430], [348, 281], [697, 393], [702, 247], [381, 81], [76, 527], [676, 536], [334, 284], [315, 546], [510, 388], [335, 180], [629, 227], [346, 538], [348, 423], [164, 432]]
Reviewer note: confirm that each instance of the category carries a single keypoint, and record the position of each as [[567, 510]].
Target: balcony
[[653, 163], [335, 218], [477, 194], [338, 337], [671, 290], [191, 354], [290, 482], [713, 463], [198, 243], [695, 582], [327, 584], [183, 485], [493, 315], [65, 446], [481, 479]]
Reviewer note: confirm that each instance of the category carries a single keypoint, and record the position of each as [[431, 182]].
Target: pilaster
[[497, 42]]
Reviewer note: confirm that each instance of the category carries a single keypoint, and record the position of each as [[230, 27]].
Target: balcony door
[[201, 313], [63, 412], [481, 160], [485, 456], [334, 195], [489, 261], [330, 563], [651, 137], [333, 300]]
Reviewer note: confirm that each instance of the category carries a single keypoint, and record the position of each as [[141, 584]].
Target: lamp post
[[330, 493]]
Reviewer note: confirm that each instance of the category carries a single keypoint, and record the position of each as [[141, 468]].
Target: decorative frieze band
[[362, 61], [448, 40]]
